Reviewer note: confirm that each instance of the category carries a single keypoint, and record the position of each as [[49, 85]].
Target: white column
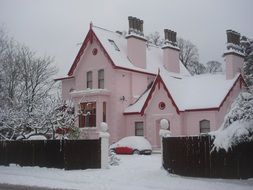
[[104, 135], [164, 132]]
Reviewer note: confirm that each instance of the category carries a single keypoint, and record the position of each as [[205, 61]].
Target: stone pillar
[[164, 132], [104, 135]]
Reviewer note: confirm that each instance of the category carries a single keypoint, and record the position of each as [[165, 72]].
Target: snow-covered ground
[[134, 172]]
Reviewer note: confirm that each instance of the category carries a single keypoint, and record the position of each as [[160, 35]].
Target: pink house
[[132, 85]]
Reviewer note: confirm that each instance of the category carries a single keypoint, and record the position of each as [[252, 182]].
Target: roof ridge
[[106, 30]]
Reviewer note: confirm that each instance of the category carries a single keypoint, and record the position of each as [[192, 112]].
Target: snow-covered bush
[[238, 123], [236, 133], [241, 109], [113, 159]]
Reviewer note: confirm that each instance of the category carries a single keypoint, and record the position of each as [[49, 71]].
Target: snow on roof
[[138, 105], [199, 91], [196, 92], [120, 59]]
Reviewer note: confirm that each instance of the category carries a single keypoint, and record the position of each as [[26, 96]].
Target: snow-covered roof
[[138, 105], [199, 91], [190, 93], [120, 59]]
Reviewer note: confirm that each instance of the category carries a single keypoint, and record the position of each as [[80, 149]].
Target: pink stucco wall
[[191, 121], [171, 59], [226, 105], [234, 64], [152, 116], [136, 51], [67, 86]]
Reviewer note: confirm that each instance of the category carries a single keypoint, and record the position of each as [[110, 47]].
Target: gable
[[89, 40], [159, 85], [140, 106], [108, 48]]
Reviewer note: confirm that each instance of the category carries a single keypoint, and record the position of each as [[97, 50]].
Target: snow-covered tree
[[238, 123], [213, 67], [241, 109], [27, 103]]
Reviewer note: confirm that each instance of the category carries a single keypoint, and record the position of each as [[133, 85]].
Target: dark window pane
[[89, 79], [101, 79], [139, 129], [104, 111], [89, 113], [204, 126]]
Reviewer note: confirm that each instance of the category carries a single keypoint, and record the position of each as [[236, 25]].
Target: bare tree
[[196, 68], [188, 54], [155, 38], [213, 67]]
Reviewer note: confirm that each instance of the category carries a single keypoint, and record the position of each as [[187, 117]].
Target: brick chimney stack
[[136, 42], [135, 26], [234, 56], [171, 52]]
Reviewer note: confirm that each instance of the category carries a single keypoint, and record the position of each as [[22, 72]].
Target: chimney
[[234, 55], [171, 52], [136, 43]]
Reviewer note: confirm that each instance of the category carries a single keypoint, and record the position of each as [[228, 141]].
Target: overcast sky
[[55, 27]]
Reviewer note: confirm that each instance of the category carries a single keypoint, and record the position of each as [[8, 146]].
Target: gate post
[[164, 132], [104, 135]]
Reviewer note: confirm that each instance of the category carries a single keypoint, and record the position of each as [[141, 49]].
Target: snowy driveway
[[134, 173]]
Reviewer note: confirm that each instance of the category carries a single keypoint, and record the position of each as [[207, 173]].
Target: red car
[[132, 145]]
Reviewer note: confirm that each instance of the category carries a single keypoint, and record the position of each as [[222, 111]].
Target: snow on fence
[[67, 154], [192, 156]]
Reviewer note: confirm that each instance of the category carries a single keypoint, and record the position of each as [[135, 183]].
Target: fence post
[[164, 132], [104, 135]]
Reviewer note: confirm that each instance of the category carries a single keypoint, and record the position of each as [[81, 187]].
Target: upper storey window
[[89, 79], [101, 79], [113, 44]]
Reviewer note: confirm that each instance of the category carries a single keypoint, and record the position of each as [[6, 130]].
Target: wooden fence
[[67, 154], [192, 156]]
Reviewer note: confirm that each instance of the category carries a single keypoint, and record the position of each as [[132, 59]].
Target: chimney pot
[[138, 26], [130, 20], [134, 23], [170, 35], [141, 27], [174, 39], [233, 37], [166, 34]]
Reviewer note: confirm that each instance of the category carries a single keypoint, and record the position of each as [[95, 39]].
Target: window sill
[[88, 128]]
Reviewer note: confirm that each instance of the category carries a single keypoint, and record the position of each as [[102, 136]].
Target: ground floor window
[[88, 116], [204, 126], [139, 129]]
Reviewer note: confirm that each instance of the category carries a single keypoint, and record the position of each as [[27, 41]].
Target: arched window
[[204, 126]]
